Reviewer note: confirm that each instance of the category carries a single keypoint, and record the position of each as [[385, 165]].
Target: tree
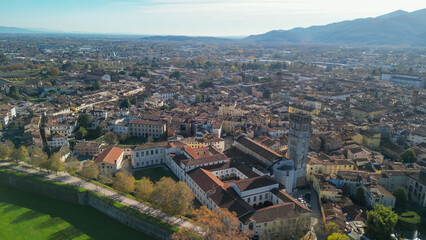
[[198, 98], [180, 235], [266, 93], [5, 151], [3, 58], [219, 222], [72, 164], [1, 127], [331, 228], [14, 93], [55, 163], [338, 236], [19, 154], [81, 133], [85, 120], [99, 131], [161, 196], [236, 79], [125, 103], [53, 71], [175, 75], [401, 197], [215, 74], [408, 156], [10, 144], [359, 197], [143, 189], [205, 84], [110, 138], [164, 108], [90, 170], [38, 157], [381, 222], [124, 182], [182, 199]]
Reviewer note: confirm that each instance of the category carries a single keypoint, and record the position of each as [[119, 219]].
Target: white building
[[57, 140], [150, 154], [406, 80]]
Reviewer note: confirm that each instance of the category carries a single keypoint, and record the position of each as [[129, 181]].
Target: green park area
[[28, 216], [154, 174]]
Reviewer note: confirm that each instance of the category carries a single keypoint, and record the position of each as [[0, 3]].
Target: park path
[[65, 178]]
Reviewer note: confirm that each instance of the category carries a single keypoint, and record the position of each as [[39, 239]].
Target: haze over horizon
[[189, 17]]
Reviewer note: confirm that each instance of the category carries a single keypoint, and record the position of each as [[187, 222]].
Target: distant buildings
[[407, 80]]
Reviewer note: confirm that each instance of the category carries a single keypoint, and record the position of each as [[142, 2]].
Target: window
[[248, 200], [156, 151]]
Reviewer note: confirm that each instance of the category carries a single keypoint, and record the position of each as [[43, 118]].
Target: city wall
[[127, 216]]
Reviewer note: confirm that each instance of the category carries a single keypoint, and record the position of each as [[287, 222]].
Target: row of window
[[255, 198], [152, 162], [148, 152]]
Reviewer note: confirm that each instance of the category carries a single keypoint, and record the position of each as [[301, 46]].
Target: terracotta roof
[[164, 144], [253, 183], [273, 212], [419, 177], [287, 198], [242, 168], [87, 144], [110, 155], [147, 122], [202, 160], [258, 148], [205, 180]]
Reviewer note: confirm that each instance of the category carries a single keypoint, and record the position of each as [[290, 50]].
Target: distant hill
[[396, 28], [12, 30], [185, 39]]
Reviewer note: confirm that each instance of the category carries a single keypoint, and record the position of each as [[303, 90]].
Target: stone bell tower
[[298, 145]]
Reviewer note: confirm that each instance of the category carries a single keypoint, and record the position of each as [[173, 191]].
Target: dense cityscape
[[212, 138]]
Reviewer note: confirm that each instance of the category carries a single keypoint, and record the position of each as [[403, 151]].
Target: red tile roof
[[110, 155]]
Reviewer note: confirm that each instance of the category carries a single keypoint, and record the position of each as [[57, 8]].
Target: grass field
[[154, 174], [28, 216]]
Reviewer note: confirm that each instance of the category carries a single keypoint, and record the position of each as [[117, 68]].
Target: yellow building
[[325, 189], [367, 138], [303, 109], [367, 111], [229, 125], [219, 143], [316, 166]]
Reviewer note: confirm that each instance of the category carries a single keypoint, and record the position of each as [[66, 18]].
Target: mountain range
[[398, 28]]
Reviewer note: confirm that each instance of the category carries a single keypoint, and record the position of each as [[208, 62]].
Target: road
[[316, 211], [65, 178]]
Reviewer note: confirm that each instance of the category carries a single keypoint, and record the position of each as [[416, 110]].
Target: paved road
[[64, 177], [316, 211]]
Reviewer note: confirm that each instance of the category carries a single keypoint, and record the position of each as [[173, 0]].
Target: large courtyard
[[154, 173], [28, 216]]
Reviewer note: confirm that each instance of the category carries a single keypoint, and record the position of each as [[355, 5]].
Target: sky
[[190, 17]]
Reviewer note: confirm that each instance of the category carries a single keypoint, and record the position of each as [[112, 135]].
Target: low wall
[[141, 222]]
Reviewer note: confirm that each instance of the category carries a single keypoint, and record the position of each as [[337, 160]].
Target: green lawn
[[154, 173], [28, 216], [132, 141]]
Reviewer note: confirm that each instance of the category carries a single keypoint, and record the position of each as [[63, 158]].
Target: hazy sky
[[190, 17]]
